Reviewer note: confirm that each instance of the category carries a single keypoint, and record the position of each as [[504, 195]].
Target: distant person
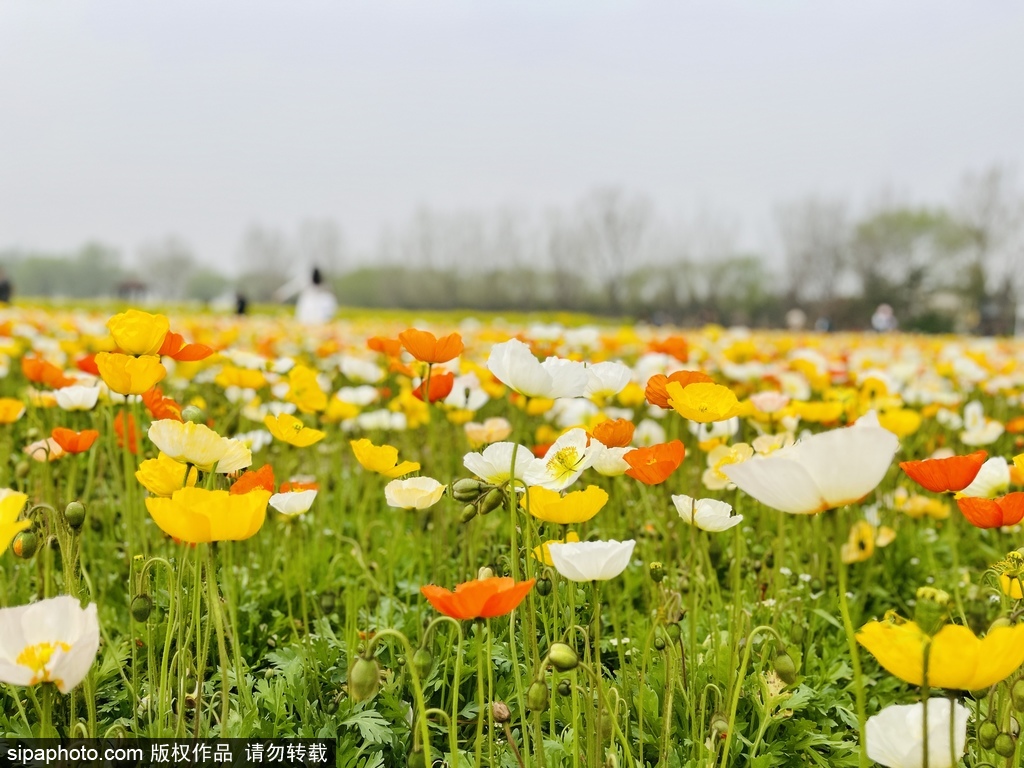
[[884, 319], [241, 303], [316, 304], [5, 287], [796, 319]]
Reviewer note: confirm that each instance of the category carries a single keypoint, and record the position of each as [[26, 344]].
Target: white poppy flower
[[77, 397], [563, 463], [827, 470], [413, 493], [993, 479], [53, 640], [609, 461], [606, 379], [707, 514], [494, 464], [895, 735], [591, 560], [514, 365], [293, 502]]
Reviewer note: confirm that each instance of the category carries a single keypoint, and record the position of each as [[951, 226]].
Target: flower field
[[481, 542]]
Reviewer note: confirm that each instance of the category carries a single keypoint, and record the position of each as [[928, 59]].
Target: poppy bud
[[537, 696], [422, 661], [21, 470], [417, 759], [1017, 695], [564, 688], [657, 571], [25, 544], [674, 631], [492, 501], [562, 657], [543, 586], [500, 712], [74, 513], [468, 513], [194, 414], [931, 610], [484, 572], [363, 679], [467, 489], [719, 723], [785, 668], [327, 601], [141, 607], [987, 733], [1005, 745], [659, 643], [1002, 621]]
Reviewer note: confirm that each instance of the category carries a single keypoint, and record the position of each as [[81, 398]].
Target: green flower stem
[[213, 598], [421, 720], [858, 680]]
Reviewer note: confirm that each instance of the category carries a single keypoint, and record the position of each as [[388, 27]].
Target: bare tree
[[617, 225], [321, 243], [815, 236], [167, 264]]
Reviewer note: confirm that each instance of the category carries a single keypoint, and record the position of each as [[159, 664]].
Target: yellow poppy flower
[[338, 410], [958, 659], [702, 402], [197, 515], [382, 459], [290, 429], [11, 505], [129, 375], [244, 378], [819, 412], [138, 333], [189, 443], [11, 410], [163, 475], [543, 554], [575, 507], [900, 421], [304, 390]]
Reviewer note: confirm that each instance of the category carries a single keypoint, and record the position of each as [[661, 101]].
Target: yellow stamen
[[36, 657]]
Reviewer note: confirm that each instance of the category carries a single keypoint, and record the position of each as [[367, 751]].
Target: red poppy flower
[[478, 599], [656, 391], [441, 384], [74, 442], [427, 348], [174, 346], [941, 475], [993, 513], [614, 433], [39, 371], [253, 479], [653, 465]]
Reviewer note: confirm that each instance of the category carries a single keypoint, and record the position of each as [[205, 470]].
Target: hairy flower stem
[[858, 680]]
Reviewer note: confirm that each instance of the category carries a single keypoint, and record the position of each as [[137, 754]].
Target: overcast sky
[[128, 121]]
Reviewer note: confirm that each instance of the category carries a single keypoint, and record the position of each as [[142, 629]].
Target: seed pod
[[537, 696], [363, 679], [1005, 746], [25, 544], [492, 501], [543, 586], [422, 661], [562, 657], [785, 668], [74, 513], [987, 733], [141, 607]]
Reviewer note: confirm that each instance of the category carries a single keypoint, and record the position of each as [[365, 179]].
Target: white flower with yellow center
[[52, 641], [714, 478], [494, 464], [563, 463], [413, 493]]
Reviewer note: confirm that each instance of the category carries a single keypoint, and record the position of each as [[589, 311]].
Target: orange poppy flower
[[133, 432], [74, 442], [941, 475], [993, 513], [296, 485], [254, 478], [161, 407], [427, 348], [675, 346], [1015, 425], [87, 364], [615, 433], [39, 371], [441, 383], [478, 599], [386, 346], [653, 465], [174, 346], [657, 392]]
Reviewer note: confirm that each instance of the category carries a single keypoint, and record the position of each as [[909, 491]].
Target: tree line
[[941, 267]]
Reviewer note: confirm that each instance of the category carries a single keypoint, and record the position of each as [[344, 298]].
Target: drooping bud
[[932, 609], [422, 660], [537, 696], [492, 501], [25, 544], [659, 643], [719, 724], [1017, 695], [785, 668], [657, 571], [1005, 745], [564, 688], [987, 733], [543, 586], [194, 414], [468, 513], [674, 631], [467, 489], [142, 606], [363, 679], [327, 602], [500, 712], [563, 657], [484, 572], [74, 513], [417, 759]]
